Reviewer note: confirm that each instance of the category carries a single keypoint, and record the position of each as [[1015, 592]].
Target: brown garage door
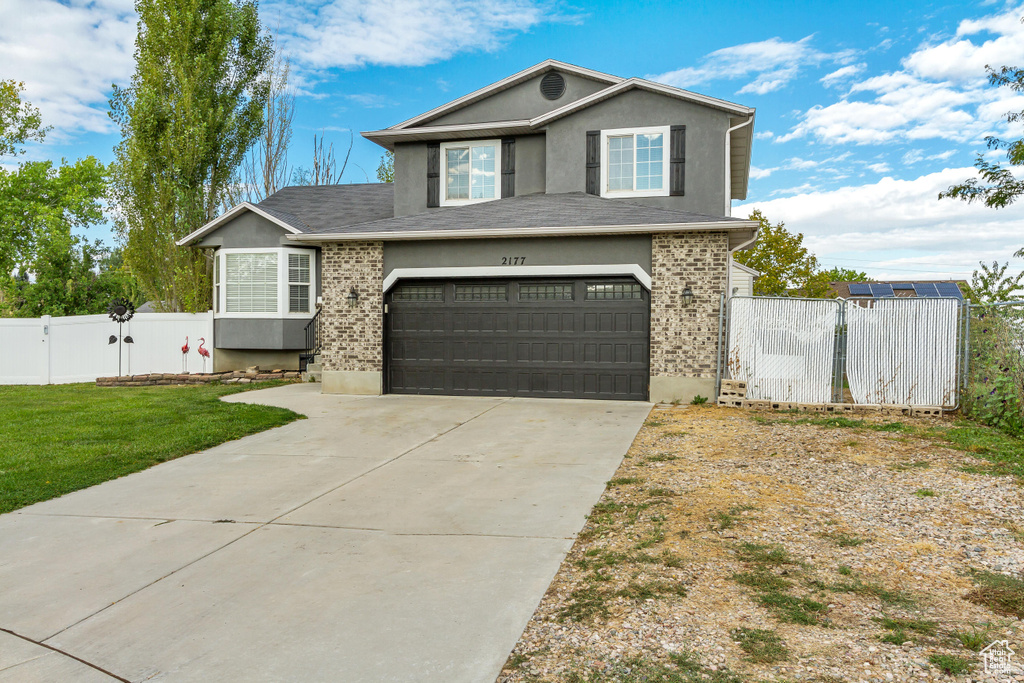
[[585, 338]]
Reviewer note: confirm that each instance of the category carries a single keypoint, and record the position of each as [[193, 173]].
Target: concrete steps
[[314, 371]]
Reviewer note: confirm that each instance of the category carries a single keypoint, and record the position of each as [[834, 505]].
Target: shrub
[[995, 387]]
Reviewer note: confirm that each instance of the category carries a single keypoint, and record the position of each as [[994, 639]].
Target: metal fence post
[[718, 368]]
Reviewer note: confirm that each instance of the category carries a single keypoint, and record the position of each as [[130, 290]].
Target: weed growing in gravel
[[682, 667], [762, 579], [875, 590], [951, 664], [762, 646], [651, 589], [925, 493], [661, 457], [654, 423], [791, 608], [845, 540], [844, 569], [669, 435], [764, 554], [724, 520], [585, 603], [976, 638], [624, 481], [661, 493], [1000, 593], [1015, 530], [654, 538], [923, 626]]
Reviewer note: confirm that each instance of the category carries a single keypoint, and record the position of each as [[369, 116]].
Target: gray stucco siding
[[522, 101], [411, 172], [260, 333], [705, 146], [537, 251], [246, 231]]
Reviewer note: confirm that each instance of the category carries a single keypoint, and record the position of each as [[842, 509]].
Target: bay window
[[470, 171], [264, 283], [635, 162]]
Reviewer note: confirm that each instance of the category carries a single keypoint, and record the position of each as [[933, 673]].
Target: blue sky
[[865, 110]]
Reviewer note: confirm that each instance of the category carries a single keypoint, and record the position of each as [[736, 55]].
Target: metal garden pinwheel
[[120, 310]]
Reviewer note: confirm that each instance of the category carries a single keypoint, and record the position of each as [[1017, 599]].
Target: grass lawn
[[58, 439]]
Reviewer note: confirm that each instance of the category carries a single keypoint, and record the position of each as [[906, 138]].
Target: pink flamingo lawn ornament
[[203, 352], [184, 356]]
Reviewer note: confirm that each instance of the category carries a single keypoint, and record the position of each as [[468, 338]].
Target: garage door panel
[[492, 338]]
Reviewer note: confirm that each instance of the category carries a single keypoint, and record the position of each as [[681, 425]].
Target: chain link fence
[[994, 380]]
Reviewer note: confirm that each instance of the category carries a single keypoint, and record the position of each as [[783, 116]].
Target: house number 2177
[[513, 260]]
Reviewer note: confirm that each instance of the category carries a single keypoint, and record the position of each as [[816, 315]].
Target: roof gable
[[505, 84]]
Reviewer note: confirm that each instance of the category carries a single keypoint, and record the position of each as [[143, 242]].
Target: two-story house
[[559, 233]]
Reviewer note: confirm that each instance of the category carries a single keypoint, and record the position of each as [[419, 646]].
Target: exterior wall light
[[352, 298], [687, 296]]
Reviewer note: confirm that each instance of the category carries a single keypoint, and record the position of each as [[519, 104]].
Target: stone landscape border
[[164, 379]]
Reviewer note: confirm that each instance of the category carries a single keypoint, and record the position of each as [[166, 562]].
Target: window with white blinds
[[298, 283], [251, 283]]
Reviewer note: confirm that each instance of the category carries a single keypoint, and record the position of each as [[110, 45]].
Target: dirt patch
[[731, 546]]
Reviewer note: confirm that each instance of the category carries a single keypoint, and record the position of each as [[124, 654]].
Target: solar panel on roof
[[881, 290], [899, 286], [949, 290], [925, 289], [860, 290]]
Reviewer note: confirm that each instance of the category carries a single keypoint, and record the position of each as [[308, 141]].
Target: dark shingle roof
[[574, 209], [319, 208]]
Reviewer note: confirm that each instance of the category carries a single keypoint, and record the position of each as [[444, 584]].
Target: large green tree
[[787, 267], [20, 122], [194, 107]]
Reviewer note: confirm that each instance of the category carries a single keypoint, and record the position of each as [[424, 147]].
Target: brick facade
[[684, 339], [352, 336]]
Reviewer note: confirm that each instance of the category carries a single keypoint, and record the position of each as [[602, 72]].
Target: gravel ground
[[812, 537]]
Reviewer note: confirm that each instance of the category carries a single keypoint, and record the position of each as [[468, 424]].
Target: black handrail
[[313, 338]]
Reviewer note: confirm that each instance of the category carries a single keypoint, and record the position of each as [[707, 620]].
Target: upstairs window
[[634, 162], [470, 171]]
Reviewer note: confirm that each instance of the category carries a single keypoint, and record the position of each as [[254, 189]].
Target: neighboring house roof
[[305, 208], [899, 289], [417, 129], [573, 213], [746, 269]]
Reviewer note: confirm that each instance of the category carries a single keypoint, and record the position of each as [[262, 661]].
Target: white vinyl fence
[[903, 351], [52, 350], [784, 348]]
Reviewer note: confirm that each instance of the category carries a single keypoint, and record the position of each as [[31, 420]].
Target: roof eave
[[736, 226], [387, 137]]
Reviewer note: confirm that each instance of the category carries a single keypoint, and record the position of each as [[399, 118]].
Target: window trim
[[283, 289], [666, 133], [445, 146]]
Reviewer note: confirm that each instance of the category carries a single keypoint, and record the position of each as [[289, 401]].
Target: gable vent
[[552, 86]]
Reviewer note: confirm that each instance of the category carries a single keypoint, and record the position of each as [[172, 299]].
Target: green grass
[[951, 664], [845, 570], [761, 646], [624, 481], [764, 554], [1004, 452], [662, 457], [62, 438], [925, 493], [762, 580], [792, 609], [923, 626], [1000, 593], [976, 638]]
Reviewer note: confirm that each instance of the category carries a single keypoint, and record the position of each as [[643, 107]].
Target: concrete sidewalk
[[391, 538]]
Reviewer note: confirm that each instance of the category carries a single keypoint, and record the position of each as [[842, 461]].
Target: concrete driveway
[[392, 538]]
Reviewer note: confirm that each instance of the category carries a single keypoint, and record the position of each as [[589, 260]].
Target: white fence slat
[[903, 351], [783, 348], [76, 349]]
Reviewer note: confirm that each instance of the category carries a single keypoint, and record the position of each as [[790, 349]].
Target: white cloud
[[772, 63], [842, 74], [881, 167], [370, 100], [898, 219], [961, 59], [913, 156], [940, 92], [352, 33], [68, 54], [758, 173], [764, 135]]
